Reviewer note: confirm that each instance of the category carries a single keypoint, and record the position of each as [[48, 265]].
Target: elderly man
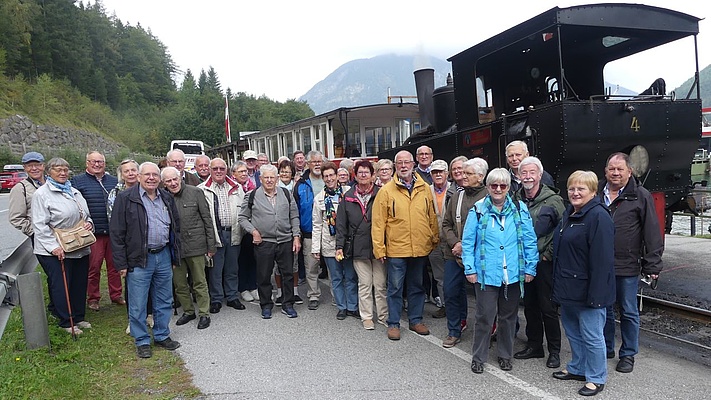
[[224, 197], [20, 205], [299, 159], [546, 208], [250, 157], [202, 167], [424, 160], [638, 249], [310, 184], [95, 185], [439, 188], [271, 216], [145, 238], [176, 159], [403, 213], [516, 151], [262, 159], [198, 240]]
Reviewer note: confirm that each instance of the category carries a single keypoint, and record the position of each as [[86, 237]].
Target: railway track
[[676, 321]]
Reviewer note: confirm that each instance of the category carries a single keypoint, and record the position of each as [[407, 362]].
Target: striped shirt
[[222, 191]]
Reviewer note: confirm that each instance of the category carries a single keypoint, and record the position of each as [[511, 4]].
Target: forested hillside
[[68, 64]]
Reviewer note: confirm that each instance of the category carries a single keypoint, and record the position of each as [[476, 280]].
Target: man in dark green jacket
[[198, 240], [546, 208]]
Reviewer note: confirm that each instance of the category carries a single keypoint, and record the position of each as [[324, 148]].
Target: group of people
[[389, 234]]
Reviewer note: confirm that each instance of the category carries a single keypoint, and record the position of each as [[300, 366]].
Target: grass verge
[[100, 364]]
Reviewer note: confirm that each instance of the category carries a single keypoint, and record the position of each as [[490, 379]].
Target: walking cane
[[69, 304]]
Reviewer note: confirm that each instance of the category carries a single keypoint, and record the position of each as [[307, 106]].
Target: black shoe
[[567, 376], [279, 300], [144, 351], [529, 352], [611, 354], [341, 315], [184, 319], [236, 304], [354, 314], [625, 365], [313, 304], [505, 364], [553, 360], [215, 308], [298, 299], [204, 322], [167, 343], [477, 368], [586, 391]]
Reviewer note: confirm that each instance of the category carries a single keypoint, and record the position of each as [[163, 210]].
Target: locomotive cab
[[542, 82]]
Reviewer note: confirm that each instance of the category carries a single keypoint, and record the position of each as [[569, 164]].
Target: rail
[[686, 311]]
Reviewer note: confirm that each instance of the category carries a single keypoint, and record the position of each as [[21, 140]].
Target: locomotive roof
[[644, 26]]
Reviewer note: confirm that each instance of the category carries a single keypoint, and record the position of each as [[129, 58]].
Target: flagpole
[[227, 120]]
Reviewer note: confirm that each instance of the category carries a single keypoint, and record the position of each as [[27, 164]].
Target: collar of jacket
[[419, 183], [234, 186], [594, 202], [628, 193]]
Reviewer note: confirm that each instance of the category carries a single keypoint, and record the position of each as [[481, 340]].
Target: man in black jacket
[[145, 239], [198, 240], [638, 248]]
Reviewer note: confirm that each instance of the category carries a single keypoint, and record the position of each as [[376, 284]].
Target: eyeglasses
[[424, 154], [385, 169], [578, 189], [438, 172], [60, 170], [176, 161], [219, 169], [497, 186], [98, 162], [364, 172], [315, 162], [403, 163]]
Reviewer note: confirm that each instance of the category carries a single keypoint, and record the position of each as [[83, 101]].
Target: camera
[[652, 283]]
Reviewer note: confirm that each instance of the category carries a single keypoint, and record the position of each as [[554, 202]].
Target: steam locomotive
[[542, 82]]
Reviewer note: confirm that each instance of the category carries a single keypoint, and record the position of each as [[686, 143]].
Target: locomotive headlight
[[639, 158]]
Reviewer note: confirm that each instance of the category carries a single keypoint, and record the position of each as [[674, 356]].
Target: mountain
[[704, 81], [366, 81]]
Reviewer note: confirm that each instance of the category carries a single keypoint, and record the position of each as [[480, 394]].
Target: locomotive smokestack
[[424, 84]]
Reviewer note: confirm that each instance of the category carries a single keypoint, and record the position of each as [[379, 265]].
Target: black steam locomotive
[[542, 82]]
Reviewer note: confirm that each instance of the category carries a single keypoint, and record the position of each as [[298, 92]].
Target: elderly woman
[[127, 173], [383, 172], [240, 173], [353, 225], [584, 280], [57, 204], [455, 217], [499, 252], [286, 174], [343, 277], [344, 177]]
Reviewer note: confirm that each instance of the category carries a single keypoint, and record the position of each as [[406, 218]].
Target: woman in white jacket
[[344, 281]]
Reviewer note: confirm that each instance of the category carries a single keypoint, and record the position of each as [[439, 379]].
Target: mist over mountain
[[366, 81]]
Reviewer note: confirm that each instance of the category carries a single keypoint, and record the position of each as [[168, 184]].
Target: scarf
[[508, 209], [331, 208], [65, 187]]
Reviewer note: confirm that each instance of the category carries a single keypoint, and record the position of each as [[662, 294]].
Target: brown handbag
[[74, 238]]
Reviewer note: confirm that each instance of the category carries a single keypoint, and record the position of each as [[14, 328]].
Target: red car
[[9, 179]]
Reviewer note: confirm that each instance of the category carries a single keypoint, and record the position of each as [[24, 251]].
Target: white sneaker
[[149, 320], [246, 296], [128, 329], [438, 302], [255, 294], [84, 325], [77, 331]]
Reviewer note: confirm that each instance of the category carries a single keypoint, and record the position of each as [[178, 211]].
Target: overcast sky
[[282, 48]]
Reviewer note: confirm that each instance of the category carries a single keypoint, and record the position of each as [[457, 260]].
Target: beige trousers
[[372, 277]]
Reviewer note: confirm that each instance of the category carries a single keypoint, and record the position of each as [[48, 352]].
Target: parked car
[[9, 179]]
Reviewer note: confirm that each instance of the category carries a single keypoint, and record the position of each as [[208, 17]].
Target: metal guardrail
[[20, 284]]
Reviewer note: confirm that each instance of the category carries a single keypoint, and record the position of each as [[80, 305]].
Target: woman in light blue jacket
[[499, 252]]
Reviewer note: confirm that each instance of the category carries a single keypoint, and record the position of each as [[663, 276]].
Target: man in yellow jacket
[[404, 232]]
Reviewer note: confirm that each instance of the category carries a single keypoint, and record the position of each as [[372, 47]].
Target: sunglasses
[[496, 186]]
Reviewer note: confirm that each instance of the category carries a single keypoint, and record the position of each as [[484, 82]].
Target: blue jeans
[[398, 268], [344, 283], [455, 297], [224, 278], [157, 277], [583, 327], [626, 299]]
